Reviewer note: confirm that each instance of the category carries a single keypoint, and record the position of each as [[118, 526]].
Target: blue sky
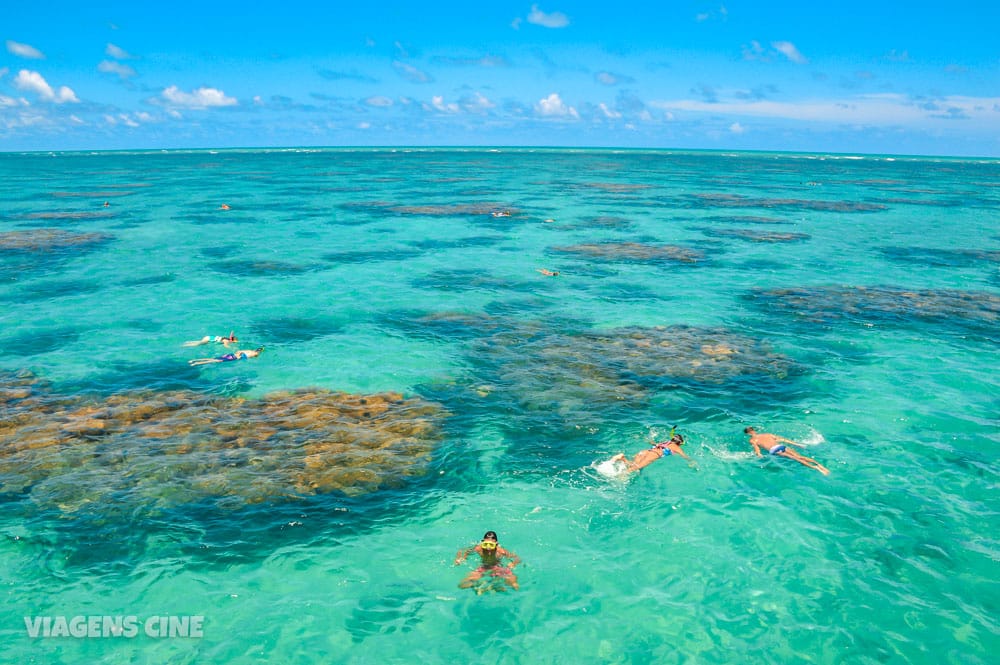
[[867, 77]]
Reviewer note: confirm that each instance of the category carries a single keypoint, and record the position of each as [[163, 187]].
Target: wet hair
[[747, 430], [677, 438], [259, 349], [490, 535]]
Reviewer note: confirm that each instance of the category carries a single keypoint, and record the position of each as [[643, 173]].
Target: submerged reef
[[735, 201], [48, 240], [754, 235], [143, 452], [633, 251], [880, 304], [569, 373]]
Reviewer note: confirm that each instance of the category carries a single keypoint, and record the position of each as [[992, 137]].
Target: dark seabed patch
[[633, 252], [458, 243], [737, 201], [251, 268], [753, 235], [746, 219], [219, 251], [469, 280], [151, 280], [37, 341], [294, 329], [952, 258], [36, 290], [609, 222], [885, 305], [66, 215], [372, 255]]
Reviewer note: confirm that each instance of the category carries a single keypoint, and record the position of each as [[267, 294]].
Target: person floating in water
[[492, 561], [779, 445], [646, 457], [239, 354], [224, 341], [224, 206], [547, 272]]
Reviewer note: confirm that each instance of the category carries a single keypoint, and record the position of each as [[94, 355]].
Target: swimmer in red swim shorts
[[492, 562]]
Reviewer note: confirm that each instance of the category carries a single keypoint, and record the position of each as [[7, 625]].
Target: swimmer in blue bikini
[[646, 457], [239, 354], [778, 445]]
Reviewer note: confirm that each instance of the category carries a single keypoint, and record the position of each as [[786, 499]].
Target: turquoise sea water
[[849, 303]]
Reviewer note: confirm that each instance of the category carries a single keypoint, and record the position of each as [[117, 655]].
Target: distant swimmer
[[207, 339], [107, 204], [491, 562], [501, 213], [548, 273], [239, 354], [224, 206], [778, 445], [646, 457]]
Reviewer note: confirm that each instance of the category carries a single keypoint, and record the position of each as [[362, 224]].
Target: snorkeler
[[224, 341], [492, 556], [646, 457], [239, 354], [778, 445]]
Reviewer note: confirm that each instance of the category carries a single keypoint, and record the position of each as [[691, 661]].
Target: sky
[[875, 77]]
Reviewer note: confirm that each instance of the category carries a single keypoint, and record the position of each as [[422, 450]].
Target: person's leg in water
[[511, 579], [805, 461], [471, 579]]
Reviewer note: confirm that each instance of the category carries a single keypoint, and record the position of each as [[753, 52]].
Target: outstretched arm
[[461, 555], [514, 559]]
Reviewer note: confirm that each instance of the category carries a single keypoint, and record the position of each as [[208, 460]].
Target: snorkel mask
[[488, 545]]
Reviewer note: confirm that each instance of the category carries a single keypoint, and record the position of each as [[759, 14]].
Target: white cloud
[[881, 110], [553, 20], [112, 67], [553, 106], [411, 73], [10, 101], [789, 51], [24, 50], [478, 103], [608, 113], [379, 101], [364, 125], [117, 52], [3, 72], [438, 103], [202, 98], [34, 82], [754, 52], [736, 128], [121, 118], [607, 78]]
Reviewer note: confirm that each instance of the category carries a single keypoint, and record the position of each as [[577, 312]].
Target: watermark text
[[126, 626]]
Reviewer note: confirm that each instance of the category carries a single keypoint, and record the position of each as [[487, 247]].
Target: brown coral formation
[[826, 303], [578, 375], [47, 240], [633, 251], [735, 201], [156, 450]]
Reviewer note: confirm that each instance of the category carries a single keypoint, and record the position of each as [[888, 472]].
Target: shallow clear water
[[851, 304]]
